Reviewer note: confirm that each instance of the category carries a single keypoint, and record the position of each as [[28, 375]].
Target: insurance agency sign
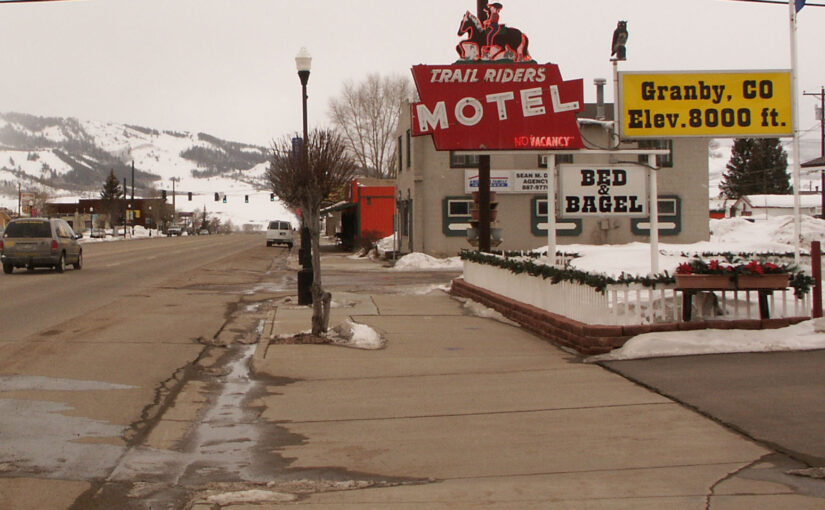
[[520, 106]]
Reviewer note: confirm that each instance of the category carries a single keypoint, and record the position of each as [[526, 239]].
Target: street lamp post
[[303, 61]]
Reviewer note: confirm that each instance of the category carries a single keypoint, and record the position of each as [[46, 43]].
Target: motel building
[[434, 200]]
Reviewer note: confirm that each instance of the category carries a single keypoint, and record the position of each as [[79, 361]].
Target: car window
[[285, 225], [272, 225], [28, 228]]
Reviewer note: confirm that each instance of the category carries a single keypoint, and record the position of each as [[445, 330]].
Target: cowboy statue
[[492, 27], [491, 40]]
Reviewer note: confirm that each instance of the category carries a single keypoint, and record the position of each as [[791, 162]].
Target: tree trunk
[[320, 299]]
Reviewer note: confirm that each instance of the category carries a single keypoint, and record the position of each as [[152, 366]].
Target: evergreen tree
[[757, 166], [110, 196], [111, 188]]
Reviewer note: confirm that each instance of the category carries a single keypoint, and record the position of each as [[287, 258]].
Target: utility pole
[[821, 95], [132, 201]]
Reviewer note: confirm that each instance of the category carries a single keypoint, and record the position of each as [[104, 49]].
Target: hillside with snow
[[70, 158]]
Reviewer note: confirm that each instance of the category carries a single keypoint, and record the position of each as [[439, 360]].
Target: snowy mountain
[[69, 154], [69, 158]]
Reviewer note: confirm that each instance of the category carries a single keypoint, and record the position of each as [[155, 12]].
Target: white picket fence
[[629, 304]]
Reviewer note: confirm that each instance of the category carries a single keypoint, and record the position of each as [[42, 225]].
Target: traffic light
[[217, 197], [272, 197], [190, 196], [163, 194], [246, 199]]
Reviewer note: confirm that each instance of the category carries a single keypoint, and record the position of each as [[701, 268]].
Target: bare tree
[[304, 180], [367, 117]]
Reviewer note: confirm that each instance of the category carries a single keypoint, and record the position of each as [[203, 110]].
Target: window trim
[[470, 157]]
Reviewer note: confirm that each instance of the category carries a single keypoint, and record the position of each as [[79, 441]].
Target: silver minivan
[[40, 242]]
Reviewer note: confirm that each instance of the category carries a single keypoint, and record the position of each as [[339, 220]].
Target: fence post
[[816, 269]]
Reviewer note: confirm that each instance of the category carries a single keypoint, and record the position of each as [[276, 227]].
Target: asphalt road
[[37, 300], [777, 399]]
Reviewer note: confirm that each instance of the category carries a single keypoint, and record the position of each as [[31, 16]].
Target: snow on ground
[[360, 336], [424, 262], [805, 336]]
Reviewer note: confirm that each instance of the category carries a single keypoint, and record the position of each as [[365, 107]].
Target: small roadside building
[[366, 215], [93, 212], [762, 207]]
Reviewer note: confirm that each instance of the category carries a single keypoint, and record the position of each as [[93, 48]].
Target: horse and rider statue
[[490, 40]]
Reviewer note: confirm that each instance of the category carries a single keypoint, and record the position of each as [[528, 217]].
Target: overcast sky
[[226, 67]]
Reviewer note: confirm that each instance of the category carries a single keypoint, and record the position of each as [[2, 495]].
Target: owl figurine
[[619, 40]]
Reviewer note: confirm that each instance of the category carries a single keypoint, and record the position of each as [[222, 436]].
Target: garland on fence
[[556, 275], [800, 282]]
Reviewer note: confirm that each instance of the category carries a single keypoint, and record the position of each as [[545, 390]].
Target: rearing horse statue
[[510, 43]]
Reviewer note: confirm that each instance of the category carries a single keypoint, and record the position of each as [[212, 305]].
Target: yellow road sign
[[707, 103]]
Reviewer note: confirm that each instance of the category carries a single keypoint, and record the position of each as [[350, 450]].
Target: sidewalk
[[465, 412]]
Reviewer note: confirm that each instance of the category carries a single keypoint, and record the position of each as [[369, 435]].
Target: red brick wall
[[592, 339]]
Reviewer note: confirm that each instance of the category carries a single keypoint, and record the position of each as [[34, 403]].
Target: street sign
[[706, 104]]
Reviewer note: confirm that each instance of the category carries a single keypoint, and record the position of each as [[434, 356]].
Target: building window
[[409, 150], [670, 218], [667, 207], [662, 160], [561, 159], [458, 207], [400, 155], [463, 160], [538, 220], [456, 216]]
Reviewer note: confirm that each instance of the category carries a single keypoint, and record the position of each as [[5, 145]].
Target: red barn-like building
[[367, 213]]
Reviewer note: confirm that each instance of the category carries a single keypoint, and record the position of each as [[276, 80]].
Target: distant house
[[367, 213], [85, 213], [769, 206], [719, 208]]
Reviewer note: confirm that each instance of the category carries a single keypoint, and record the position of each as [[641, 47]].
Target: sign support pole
[[797, 227], [654, 214], [551, 209]]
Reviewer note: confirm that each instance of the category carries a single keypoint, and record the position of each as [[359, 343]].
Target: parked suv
[[40, 242], [174, 230], [279, 232]]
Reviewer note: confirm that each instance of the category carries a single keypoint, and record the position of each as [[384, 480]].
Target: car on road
[[279, 232], [203, 232], [40, 242], [174, 230], [97, 233]]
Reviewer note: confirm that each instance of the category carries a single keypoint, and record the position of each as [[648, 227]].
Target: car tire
[[268, 244], [8, 268], [61, 263], [79, 263]]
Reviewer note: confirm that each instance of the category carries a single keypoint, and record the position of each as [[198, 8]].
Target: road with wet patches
[[126, 383]]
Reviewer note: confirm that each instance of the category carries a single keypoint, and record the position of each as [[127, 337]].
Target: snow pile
[[250, 496], [385, 245], [808, 335], [423, 262], [360, 336]]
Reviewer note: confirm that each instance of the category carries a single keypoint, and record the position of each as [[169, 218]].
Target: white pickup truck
[[174, 230]]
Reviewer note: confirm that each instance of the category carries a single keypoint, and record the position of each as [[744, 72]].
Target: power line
[[779, 2]]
